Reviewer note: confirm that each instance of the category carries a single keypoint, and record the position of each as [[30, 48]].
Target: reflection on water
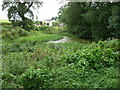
[[66, 39], [63, 40]]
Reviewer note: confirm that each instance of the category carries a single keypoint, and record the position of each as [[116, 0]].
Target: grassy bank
[[30, 63], [39, 37]]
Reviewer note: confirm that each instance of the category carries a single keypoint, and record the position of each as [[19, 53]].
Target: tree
[[54, 18], [98, 16], [20, 13], [114, 20], [98, 20], [71, 15]]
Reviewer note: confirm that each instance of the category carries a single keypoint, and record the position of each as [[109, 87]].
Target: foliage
[[96, 58], [114, 21], [8, 80], [13, 33], [29, 62], [38, 37], [39, 76], [71, 15], [64, 65], [99, 21], [17, 12], [50, 29], [39, 22], [44, 28], [54, 18], [26, 24], [55, 23], [5, 23]]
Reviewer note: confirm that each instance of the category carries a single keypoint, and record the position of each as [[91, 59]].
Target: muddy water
[[67, 39]]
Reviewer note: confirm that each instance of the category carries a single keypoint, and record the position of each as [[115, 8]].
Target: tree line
[[97, 21]]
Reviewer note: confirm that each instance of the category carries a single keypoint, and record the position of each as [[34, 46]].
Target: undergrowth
[[29, 62]]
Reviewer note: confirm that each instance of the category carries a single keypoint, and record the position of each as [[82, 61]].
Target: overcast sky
[[48, 10]]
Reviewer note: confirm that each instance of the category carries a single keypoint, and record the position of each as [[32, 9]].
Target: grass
[[39, 37], [5, 21], [28, 62]]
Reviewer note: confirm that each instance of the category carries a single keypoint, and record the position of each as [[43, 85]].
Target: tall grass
[[65, 65], [30, 63]]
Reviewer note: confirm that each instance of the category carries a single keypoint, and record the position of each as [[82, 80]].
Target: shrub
[[7, 76], [55, 23], [15, 63], [113, 44], [94, 58], [35, 78], [22, 32], [14, 33], [63, 65], [26, 24], [6, 35], [44, 28]]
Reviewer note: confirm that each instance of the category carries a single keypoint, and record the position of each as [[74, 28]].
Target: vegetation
[[28, 61], [18, 10], [92, 20], [4, 21], [13, 33]]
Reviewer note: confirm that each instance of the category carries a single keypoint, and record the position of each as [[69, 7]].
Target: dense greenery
[[13, 33], [30, 63], [92, 20], [17, 11]]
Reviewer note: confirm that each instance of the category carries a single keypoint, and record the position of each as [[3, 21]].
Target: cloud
[[49, 9]]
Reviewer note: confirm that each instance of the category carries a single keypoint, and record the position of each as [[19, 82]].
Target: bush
[[44, 28], [113, 44], [63, 65], [35, 78], [55, 23], [7, 76], [96, 58], [15, 64], [14, 33], [26, 24]]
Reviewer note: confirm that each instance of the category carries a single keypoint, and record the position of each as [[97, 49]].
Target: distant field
[[7, 21]]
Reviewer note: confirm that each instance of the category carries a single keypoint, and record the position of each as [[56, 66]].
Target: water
[[67, 39]]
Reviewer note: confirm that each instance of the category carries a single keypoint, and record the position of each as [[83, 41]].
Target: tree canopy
[[98, 20], [20, 12]]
